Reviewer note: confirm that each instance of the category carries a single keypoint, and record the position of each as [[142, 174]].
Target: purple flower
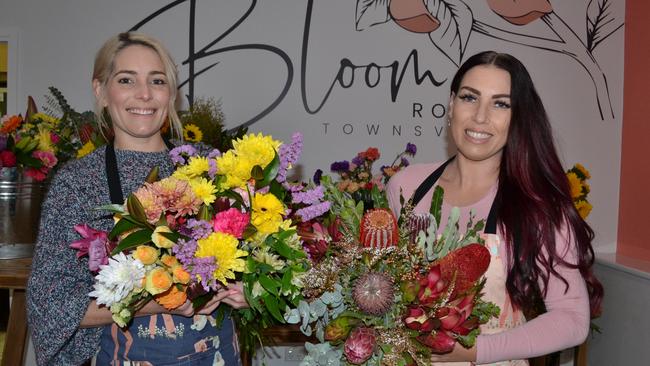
[[289, 155], [317, 175], [214, 154], [310, 212], [358, 160], [404, 162], [3, 142], [340, 166], [200, 229], [308, 197], [411, 149], [212, 170], [179, 154]]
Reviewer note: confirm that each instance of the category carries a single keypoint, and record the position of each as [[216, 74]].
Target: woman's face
[[480, 113], [136, 96]]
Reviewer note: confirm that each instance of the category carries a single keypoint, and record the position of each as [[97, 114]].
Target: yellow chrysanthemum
[[86, 149], [197, 165], [192, 133], [204, 190], [45, 119], [582, 170], [584, 208], [257, 149], [237, 170], [182, 173], [267, 213], [223, 247], [575, 185], [45, 141]]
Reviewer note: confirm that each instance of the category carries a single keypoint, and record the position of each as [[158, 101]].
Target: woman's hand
[[459, 353], [213, 303], [236, 297]]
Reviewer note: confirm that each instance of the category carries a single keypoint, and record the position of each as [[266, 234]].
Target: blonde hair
[[105, 64]]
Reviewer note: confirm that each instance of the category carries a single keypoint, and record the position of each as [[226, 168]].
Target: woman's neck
[[151, 144], [466, 181]]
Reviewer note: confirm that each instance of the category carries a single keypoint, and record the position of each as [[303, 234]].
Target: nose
[[143, 91], [481, 113]]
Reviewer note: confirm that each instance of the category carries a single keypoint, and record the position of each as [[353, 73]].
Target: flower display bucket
[[20, 210]]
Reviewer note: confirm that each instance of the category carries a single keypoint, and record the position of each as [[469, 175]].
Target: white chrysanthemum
[[117, 279]]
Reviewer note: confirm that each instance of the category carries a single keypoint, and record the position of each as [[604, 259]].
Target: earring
[[448, 121]]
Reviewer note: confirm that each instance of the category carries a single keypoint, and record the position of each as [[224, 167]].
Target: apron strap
[[113, 176], [430, 181], [113, 173]]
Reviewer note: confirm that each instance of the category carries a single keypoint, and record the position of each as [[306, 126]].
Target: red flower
[[360, 345], [431, 286], [36, 174], [520, 12], [7, 158], [315, 239], [467, 264], [371, 154], [379, 229], [440, 342], [416, 318]]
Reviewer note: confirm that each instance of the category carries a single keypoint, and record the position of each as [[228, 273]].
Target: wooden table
[[13, 275]]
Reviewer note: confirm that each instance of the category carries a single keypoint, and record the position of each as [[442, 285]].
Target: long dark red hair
[[533, 196]]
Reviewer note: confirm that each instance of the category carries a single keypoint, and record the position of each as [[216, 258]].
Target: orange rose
[[160, 240], [180, 275], [172, 298], [146, 254], [169, 260], [158, 280]]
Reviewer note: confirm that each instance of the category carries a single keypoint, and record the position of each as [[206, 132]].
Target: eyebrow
[[131, 72], [495, 96]]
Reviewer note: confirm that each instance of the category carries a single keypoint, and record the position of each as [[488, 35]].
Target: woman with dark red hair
[[507, 171]]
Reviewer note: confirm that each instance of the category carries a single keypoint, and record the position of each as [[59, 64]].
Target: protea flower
[[417, 223], [378, 229], [373, 293], [360, 345], [416, 318], [439, 342]]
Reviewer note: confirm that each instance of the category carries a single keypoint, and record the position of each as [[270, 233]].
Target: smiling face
[[137, 97], [480, 113]]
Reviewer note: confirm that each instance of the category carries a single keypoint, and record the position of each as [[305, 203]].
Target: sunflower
[[584, 208], [192, 133], [575, 185]]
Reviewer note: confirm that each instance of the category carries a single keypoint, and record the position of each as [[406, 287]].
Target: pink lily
[[95, 244]]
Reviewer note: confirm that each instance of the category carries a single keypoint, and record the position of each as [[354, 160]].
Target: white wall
[[57, 42]]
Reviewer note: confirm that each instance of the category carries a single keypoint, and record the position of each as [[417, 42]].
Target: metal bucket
[[20, 211]]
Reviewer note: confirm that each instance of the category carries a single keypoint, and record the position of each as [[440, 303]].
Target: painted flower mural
[[449, 24]]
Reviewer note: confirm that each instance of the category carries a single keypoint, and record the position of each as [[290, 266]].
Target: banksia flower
[[379, 229], [373, 293]]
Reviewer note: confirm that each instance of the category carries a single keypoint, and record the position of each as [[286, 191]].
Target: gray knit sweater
[[57, 294]]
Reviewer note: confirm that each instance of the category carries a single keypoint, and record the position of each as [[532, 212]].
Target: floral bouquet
[[38, 142], [219, 218], [577, 177], [388, 291], [358, 179]]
